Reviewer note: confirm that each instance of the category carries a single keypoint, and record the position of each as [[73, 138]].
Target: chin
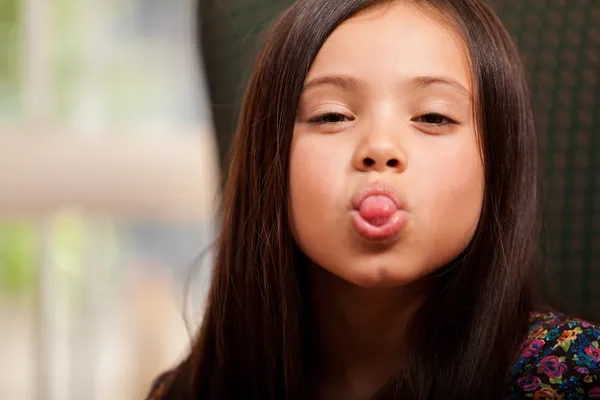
[[379, 277]]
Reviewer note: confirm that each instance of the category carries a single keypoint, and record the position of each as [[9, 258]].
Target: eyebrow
[[421, 82], [343, 81], [348, 82]]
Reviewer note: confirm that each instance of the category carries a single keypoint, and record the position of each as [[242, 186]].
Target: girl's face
[[386, 176]]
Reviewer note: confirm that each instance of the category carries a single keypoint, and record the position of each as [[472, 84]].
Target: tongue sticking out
[[377, 210]]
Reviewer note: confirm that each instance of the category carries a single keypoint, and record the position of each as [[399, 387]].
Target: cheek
[[317, 172], [451, 200]]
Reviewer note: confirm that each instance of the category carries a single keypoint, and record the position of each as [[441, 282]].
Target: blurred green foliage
[[17, 257], [10, 37]]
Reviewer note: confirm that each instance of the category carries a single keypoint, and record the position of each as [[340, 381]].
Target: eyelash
[[447, 120], [321, 119]]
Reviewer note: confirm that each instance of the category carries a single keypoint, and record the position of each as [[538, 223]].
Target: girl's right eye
[[330, 118]]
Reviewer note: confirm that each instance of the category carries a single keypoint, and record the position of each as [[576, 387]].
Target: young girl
[[379, 228]]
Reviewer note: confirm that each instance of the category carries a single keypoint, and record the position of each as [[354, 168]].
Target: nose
[[380, 152]]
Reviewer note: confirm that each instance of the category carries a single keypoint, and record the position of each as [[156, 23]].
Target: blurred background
[[108, 187], [115, 123]]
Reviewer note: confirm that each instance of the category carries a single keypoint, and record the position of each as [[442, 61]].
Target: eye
[[330, 118], [435, 119]]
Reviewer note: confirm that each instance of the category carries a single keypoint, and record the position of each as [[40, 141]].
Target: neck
[[360, 332]]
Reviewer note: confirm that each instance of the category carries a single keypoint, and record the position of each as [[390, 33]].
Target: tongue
[[377, 210]]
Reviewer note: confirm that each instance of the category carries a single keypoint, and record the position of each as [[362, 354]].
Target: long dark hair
[[256, 340]]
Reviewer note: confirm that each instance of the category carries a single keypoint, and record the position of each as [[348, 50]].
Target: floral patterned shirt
[[560, 359]]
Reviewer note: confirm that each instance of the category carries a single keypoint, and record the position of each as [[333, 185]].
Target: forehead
[[393, 42]]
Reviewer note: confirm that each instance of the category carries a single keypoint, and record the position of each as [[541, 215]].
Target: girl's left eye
[[435, 119], [329, 118]]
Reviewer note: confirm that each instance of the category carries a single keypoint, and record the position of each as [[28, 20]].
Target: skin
[[395, 85]]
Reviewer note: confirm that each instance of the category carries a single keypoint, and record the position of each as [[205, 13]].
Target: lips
[[377, 213]]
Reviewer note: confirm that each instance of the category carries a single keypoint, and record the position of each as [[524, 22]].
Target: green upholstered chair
[[560, 44]]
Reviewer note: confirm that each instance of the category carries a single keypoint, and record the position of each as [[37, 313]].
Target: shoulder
[[560, 358], [159, 386]]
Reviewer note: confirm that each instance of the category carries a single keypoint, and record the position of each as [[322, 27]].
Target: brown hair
[[256, 339]]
